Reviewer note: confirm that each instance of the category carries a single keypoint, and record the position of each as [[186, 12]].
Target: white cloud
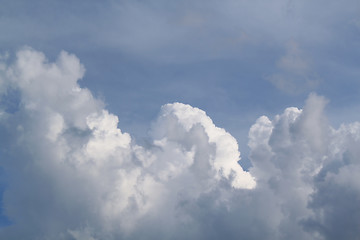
[[79, 168], [177, 120], [73, 174]]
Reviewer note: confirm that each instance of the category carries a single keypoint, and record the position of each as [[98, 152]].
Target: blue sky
[[217, 56], [236, 60]]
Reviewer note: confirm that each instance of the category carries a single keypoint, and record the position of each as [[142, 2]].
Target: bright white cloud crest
[[73, 174]]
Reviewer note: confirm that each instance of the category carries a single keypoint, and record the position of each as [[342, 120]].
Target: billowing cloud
[[73, 174]]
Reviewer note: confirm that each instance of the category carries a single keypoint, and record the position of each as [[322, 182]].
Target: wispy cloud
[[294, 72]]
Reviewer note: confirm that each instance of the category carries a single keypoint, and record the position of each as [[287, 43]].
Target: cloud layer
[[73, 174]]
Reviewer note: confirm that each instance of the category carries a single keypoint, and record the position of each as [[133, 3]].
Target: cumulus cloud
[[80, 168], [73, 174]]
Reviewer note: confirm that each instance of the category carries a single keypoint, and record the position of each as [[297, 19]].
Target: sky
[[231, 119]]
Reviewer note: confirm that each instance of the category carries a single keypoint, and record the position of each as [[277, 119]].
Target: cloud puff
[[303, 161], [73, 174]]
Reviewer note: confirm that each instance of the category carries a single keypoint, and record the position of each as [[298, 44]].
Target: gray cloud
[[73, 174], [295, 74], [175, 31]]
